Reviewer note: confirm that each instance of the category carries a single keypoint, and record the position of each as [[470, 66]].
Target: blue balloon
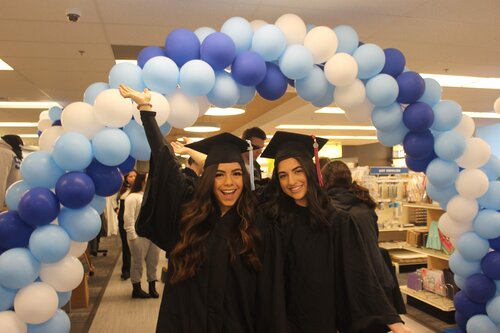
[[111, 146], [240, 31], [59, 323], [165, 128], [447, 114], [40, 170], [128, 74], [441, 194], [420, 165], [218, 50], [394, 62], [98, 203], [248, 68], [203, 32], [57, 123], [487, 224], [149, 52], [247, 94], [75, 190], [481, 323], [442, 173], [269, 41], [459, 281], [13, 231], [491, 199], [72, 151], [432, 92], [82, 225], [49, 243], [181, 46], [348, 39], [466, 306], [129, 163], [313, 86], [139, 146], [491, 169], [296, 62], [161, 74], [387, 118], [18, 268], [370, 59], [38, 206], [93, 90], [472, 246], [461, 321], [55, 113], [463, 267], [7, 298], [392, 138], [411, 87], [64, 297], [225, 92], [14, 193], [196, 78], [107, 180], [491, 263], [418, 117], [382, 90], [274, 84], [450, 145], [418, 144], [326, 99]]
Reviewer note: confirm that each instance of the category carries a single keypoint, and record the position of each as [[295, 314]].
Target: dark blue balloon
[[495, 243], [411, 87], [181, 46], [248, 68], [107, 180], [13, 231], [490, 265], [479, 288], [394, 62], [461, 321], [75, 190], [149, 52], [128, 165], [418, 144], [467, 307], [38, 206], [57, 123], [274, 84], [218, 50], [420, 165], [39, 132], [418, 117]]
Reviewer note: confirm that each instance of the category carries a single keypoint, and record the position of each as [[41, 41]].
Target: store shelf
[[437, 301], [422, 205], [429, 252]]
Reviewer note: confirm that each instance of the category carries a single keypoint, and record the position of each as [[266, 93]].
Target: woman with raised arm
[[224, 256]]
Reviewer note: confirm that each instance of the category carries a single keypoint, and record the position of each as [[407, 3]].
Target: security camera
[[73, 14]]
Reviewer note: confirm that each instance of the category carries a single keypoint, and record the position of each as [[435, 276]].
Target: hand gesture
[[136, 96]]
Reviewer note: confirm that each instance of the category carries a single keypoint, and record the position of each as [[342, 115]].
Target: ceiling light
[[464, 81], [329, 109], [203, 127], [343, 137], [18, 124], [483, 115], [29, 136], [28, 105], [5, 66], [215, 111], [131, 61], [326, 127], [190, 139]]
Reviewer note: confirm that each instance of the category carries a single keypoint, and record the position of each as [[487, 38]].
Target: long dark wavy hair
[[190, 252], [337, 174]]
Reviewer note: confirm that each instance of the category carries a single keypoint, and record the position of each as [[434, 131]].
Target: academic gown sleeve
[[166, 190]]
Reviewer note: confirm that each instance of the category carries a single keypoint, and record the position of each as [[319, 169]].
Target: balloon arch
[[85, 148]]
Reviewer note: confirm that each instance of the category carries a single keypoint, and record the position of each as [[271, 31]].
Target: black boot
[[137, 292], [152, 289]]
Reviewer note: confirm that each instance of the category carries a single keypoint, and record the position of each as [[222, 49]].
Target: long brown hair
[[190, 252]]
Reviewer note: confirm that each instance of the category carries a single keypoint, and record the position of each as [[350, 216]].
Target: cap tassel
[[250, 160], [316, 161]]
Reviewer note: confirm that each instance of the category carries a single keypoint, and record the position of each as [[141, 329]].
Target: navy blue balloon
[[218, 50], [274, 84], [57, 123], [248, 68], [466, 306], [149, 52], [128, 165], [75, 190], [107, 180], [495, 243], [181, 46], [38, 206], [461, 321], [420, 165], [490, 265], [13, 231], [411, 87], [418, 117], [39, 132], [418, 144], [394, 62], [479, 288]]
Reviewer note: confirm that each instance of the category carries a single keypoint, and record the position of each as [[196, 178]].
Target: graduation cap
[[284, 145], [221, 148]]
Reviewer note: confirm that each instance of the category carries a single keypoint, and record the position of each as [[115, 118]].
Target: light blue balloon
[[493, 309], [382, 90], [247, 94], [240, 31], [14, 193], [161, 74], [348, 39], [196, 78], [463, 267], [388, 118], [370, 59], [40, 170], [98, 203], [7, 298], [59, 323], [81, 224], [313, 86], [139, 146], [492, 168], [441, 194], [447, 115], [165, 128], [326, 99], [449, 145], [459, 281], [269, 41], [481, 324], [111, 146], [432, 92], [392, 138], [225, 92], [93, 90], [203, 32], [491, 199], [296, 62], [441, 173], [128, 74], [64, 297], [49, 243], [55, 113], [487, 224], [72, 151], [18, 268], [472, 246]]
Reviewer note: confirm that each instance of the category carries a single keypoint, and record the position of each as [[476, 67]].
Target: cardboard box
[[80, 296], [416, 237]]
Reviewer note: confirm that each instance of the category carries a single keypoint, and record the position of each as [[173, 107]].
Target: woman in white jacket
[[141, 249]]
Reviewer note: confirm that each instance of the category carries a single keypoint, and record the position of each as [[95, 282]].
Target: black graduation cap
[[292, 143], [221, 148]]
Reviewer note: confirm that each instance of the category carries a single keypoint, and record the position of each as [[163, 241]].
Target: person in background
[[11, 156], [323, 161], [257, 137], [192, 169], [141, 249]]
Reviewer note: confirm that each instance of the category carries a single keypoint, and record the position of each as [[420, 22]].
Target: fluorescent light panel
[[326, 127], [131, 61], [18, 124], [343, 137], [215, 111], [28, 105], [203, 127], [29, 136], [5, 66], [464, 81]]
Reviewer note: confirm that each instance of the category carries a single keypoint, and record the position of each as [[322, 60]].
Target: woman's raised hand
[[141, 98]]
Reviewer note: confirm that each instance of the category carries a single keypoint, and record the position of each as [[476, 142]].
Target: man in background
[[11, 156], [257, 137]]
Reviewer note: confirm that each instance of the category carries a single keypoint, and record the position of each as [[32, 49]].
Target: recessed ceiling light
[[5, 66], [464, 81], [483, 115], [215, 111], [18, 124], [29, 136], [202, 127], [190, 139], [326, 127], [130, 61], [344, 137], [329, 109], [28, 105]]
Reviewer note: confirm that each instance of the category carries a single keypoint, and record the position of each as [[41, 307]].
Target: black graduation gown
[[223, 297]]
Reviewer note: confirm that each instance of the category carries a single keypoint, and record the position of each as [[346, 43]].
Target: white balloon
[[361, 113], [11, 323], [80, 117], [183, 109], [48, 138], [496, 105], [43, 124], [64, 275], [476, 154], [462, 210], [77, 248], [36, 303], [111, 109], [203, 105], [160, 106], [472, 183], [350, 96], [341, 69], [44, 115], [466, 127], [293, 27], [451, 228], [256, 24], [322, 42]]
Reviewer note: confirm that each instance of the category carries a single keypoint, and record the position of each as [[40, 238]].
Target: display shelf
[[437, 301], [422, 205], [429, 252]]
